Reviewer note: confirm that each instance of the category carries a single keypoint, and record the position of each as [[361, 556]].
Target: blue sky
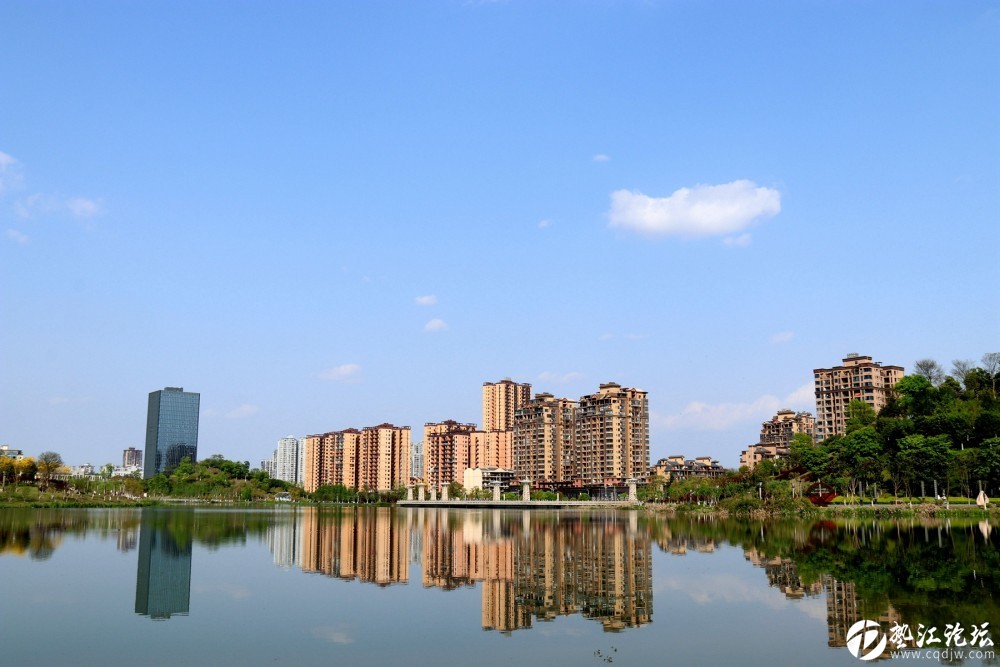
[[323, 215]]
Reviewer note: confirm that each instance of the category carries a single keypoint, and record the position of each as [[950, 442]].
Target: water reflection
[[163, 576], [533, 567], [933, 572]]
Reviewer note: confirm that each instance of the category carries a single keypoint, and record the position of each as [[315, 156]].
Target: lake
[[428, 586]]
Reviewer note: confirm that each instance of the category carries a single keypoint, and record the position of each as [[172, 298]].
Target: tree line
[[937, 431]]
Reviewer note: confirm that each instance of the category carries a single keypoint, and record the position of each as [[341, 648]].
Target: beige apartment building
[[543, 439], [448, 451], [331, 458], [500, 401], [859, 378], [612, 435], [776, 437], [492, 449], [601, 439], [376, 458], [384, 457]]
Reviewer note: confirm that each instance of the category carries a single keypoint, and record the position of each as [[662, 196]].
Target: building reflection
[[596, 565], [163, 578], [369, 546]]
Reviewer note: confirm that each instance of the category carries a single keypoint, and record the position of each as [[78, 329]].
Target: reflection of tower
[[841, 609], [595, 568], [283, 537], [163, 578]]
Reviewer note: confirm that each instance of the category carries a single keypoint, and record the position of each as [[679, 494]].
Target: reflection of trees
[[38, 532], [933, 572]]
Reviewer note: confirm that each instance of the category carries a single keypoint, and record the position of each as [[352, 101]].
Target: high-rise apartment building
[[500, 401], [171, 429], [492, 449], [543, 439], [132, 457], [612, 435], [448, 451], [776, 436], [287, 460], [417, 459], [601, 439], [859, 378], [331, 458], [376, 458], [384, 457]]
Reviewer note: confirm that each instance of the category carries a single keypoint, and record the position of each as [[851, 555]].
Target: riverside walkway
[[520, 504]]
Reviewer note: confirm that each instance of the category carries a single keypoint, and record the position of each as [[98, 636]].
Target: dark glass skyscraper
[[171, 429]]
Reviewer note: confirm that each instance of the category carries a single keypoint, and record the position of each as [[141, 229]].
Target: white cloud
[[426, 300], [802, 398], [704, 210], [542, 224], [233, 591], [82, 207], [634, 336], [42, 204], [333, 635], [17, 237], [721, 416], [782, 337], [740, 241], [342, 373], [549, 376], [606, 336], [600, 157], [10, 174], [436, 325], [243, 411]]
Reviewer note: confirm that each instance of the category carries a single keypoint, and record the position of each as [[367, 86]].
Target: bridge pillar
[[434, 494], [444, 493], [409, 492], [632, 497], [526, 490], [496, 492], [421, 492]]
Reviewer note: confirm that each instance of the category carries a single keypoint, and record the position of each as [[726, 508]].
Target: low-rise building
[[485, 478], [776, 437], [16, 454], [677, 467]]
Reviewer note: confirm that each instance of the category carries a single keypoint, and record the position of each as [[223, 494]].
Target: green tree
[[48, 464], [859, 415], [860, 458], [917, 395], [924, 459], [804, 453], [158, 485], [7, 470]]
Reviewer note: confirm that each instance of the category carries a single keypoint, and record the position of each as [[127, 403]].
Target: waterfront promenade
[[520, 504]]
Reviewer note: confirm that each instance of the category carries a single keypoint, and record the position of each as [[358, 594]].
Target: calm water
[[382, 586]]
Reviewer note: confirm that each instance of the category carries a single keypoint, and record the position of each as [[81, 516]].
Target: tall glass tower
[[171, 429]]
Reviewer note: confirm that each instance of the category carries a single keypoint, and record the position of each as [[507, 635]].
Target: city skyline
[[337, 215]]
